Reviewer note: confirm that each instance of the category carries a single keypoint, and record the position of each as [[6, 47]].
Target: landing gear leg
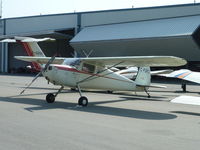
[[82, 101], [50, 98], [183, 86], [149, 96]]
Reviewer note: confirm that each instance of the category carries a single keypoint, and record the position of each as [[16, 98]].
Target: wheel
[[183, 86], [50, 98], [83, 101], [109, 92], [73, 89]]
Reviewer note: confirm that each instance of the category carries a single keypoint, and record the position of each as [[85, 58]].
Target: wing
[[40, 60], [185, 75], [138, 61]]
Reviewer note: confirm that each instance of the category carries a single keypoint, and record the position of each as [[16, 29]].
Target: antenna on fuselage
[[87, 55]]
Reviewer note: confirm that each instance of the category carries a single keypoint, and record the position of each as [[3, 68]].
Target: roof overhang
[[172, 36], [139, 30], [56, 34]]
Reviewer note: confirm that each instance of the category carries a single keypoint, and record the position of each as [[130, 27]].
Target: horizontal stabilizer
[[157, 86], [25, 39], [40, 60], [167, 71], [153, 86]]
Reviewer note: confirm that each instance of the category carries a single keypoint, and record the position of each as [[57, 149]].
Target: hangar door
[[172, 36]]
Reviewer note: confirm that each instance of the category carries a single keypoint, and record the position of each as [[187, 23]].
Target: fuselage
[[89, 78]]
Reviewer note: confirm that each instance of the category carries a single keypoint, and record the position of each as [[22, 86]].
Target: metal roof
[[137, 30], [110, 10]]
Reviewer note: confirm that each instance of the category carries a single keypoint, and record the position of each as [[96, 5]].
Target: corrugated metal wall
[[40, 23], [129, 15]]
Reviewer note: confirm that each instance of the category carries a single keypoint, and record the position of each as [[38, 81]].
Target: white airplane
[[91, 73], [184, 74]]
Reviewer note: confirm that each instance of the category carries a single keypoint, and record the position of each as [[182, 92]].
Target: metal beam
[[2, 57], [6, 57]]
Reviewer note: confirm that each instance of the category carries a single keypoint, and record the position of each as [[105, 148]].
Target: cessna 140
[[91, 73]]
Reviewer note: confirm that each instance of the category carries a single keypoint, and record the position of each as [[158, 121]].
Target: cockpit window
[[88, 68]]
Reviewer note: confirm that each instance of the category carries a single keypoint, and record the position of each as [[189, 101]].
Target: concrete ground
[[122, 120]]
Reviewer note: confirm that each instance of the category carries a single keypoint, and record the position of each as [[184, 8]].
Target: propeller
[[43, 70]]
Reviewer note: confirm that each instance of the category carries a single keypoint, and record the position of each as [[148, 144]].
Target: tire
[[50, 98], [109, 92], [83, 101]]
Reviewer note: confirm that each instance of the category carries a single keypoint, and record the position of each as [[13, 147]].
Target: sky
[[20, 8]]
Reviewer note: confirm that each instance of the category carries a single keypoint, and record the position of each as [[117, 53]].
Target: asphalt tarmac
[[118, 121]]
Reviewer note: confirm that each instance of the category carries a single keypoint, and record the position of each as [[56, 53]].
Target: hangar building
[[167, 30]]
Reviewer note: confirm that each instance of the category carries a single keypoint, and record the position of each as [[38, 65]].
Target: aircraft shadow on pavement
[[93, 107], [186, 113], [152, 98], [43, 93], [40, 88], [186, 92], [133, 94], [174, 91]]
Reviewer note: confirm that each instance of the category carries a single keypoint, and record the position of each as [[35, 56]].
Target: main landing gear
[[50, 98], [183, 86], [83, 101], [148, 95]]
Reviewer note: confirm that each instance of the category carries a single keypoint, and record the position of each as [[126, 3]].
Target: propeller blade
[[48, 63], [31, 82], [44, 69]]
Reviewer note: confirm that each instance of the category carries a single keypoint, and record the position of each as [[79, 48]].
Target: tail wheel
[[50, 98], [83, 101]]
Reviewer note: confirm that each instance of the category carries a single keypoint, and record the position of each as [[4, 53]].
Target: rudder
[[143, 77], [31, 46]]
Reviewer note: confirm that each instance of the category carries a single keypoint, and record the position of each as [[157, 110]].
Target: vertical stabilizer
[[32, 48], [143, 77]]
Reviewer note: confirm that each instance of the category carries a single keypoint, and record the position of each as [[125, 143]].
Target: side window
[[88, 68]]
